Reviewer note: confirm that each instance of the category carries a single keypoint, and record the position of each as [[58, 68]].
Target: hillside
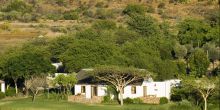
[[52, 18]]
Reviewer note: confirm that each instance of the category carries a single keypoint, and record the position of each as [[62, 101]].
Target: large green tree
[[193, 31], [199, 63], [86, 54], [144, 24]]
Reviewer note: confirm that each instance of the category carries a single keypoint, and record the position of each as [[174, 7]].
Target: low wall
[[150, 100], [82, 99]]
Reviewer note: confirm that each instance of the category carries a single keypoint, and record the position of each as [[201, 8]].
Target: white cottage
[[88, 87]]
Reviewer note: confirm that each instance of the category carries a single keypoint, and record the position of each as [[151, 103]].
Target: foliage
[[134, 9], [198, 62], [71, 15], [119, 77], [145, 25], [184, 105], [193, 31], [10, 92], [104, 24], [104, 14], [163, 100], [18, 5], [133, 101], [90, 53], [180, 51], [2, 95]]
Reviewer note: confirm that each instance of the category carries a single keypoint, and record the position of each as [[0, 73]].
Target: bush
[[163, 100], [18, 5], [176, 98], [5, 26], [106, 99], [128, 101], [133, 101], [161, 5], [54, 17], [2, 95], [10, 92], [104, 14], [137, 101], [71, 15], [100, 5], [184, 105], [134, 9], [104, 24], [150, 9]]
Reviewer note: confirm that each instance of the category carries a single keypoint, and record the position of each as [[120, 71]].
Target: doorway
[[145, 91], [94, 91]]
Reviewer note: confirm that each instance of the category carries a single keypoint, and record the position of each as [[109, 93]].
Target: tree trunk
[[121, 98], [33, 97], [205, 100], [16, 86]]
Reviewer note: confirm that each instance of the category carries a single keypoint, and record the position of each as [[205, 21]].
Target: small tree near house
[[36, 84], [204, 86], [118, 77]]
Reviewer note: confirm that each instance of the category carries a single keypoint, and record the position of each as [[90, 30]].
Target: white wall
[[3, 87], [128, 93], [101, 90], [159, 89]]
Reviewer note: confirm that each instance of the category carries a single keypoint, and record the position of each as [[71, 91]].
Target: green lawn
[[42, 104]]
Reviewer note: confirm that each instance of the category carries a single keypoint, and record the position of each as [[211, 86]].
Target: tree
[[89, 52], [58, 46], [26, 62], [66, 82], [198, 62], [193, 31], [204, 86], [119, 77], [145, 25], [35, 84], [134, 9], [10, 67], [213, 52], [180, 51]]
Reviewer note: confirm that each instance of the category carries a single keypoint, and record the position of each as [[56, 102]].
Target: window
[[83, 89], [133, 89]]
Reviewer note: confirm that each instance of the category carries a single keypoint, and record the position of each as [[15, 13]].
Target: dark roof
[[84, 77]]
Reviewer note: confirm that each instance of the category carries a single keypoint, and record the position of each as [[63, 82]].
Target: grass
[[44, 104]]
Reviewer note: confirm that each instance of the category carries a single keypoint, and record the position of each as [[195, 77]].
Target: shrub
[[184, 105], [18, 5], [128, 101], [161, 5], [150, 9], [137, 101], [71, 15], [10, 92], [13, 15], [106, 99], [104, 24], [5, 26], [58, 29], [134, 9], [100, 5], [133, 101], [163, 100], [104, 14], [54, 17], [2, 95], [176, 98]]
